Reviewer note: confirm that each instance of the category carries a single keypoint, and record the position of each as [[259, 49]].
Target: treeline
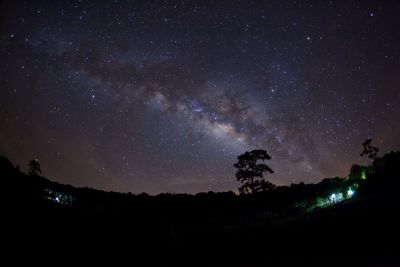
[[34, 192]]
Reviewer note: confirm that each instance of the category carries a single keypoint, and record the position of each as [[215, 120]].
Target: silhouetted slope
[[283, 227]]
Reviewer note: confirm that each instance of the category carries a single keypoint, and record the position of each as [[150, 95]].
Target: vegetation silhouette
[[298, 224], [369, 150], [250, 172], [34, 168]]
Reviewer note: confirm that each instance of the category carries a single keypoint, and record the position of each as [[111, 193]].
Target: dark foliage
[[369, 150], [250, 172], [34, 168], [209, 229]]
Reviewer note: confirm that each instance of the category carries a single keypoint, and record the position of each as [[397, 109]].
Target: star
[[162, 98]]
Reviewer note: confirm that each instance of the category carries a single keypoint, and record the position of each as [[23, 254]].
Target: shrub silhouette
[[34, 168]]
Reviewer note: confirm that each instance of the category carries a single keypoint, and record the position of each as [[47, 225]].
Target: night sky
[[162, 96]]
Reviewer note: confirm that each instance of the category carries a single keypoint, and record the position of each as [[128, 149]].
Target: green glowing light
[[350, 193], [363, 175]]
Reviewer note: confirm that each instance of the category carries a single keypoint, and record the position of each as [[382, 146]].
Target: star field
[[162, 96]]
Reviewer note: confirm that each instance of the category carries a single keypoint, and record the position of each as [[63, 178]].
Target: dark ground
[[363, 231]]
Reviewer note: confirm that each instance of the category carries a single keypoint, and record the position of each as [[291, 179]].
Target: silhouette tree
[[357, 172], [250, 173], [369, 150], [263, 185], [34, 168]]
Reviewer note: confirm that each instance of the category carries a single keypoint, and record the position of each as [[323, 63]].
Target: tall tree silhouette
[[369, 150], [250, 172], [34, 168]]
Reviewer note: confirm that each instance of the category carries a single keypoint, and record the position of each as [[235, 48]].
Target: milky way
[[162, 96]]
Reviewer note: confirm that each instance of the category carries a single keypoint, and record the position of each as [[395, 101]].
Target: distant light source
[[57, 199], [350, 192], [333, 197], [363, 174]]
